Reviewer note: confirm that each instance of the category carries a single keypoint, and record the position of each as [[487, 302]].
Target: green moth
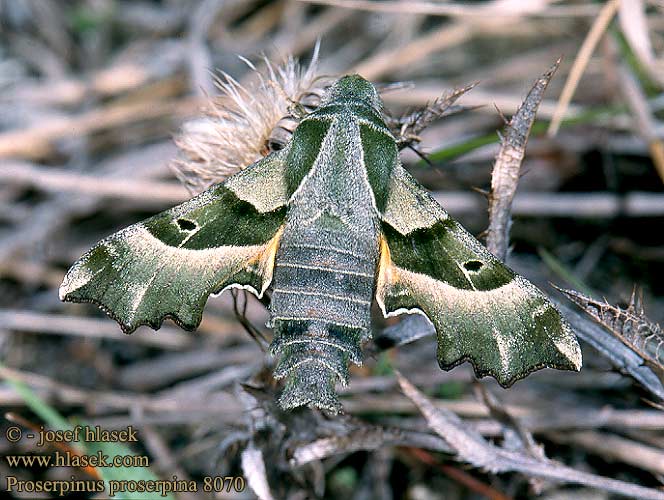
[[331, 222]]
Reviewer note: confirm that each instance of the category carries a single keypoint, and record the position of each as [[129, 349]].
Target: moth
[[331, 222]]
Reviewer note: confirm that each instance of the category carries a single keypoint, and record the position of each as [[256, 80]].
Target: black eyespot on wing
[[473, 265], [186, 225]]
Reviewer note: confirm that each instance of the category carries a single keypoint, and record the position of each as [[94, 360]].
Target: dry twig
[[630, 326], [253, 467], [29, 321], [643, 118], [473, 449], [507, 167]]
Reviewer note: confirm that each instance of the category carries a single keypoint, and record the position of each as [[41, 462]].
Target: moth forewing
[[482, 311], [168, 265]]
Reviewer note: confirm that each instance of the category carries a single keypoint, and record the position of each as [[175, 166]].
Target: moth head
[[353, 87]]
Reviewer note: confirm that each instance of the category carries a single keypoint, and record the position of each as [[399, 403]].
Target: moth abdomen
[[325, 275], [324, 282], [295, 334], [314, 355]]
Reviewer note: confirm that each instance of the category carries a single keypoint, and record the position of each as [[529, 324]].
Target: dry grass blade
[[30, 321], [222, 405], [209, 383], [643, 119], [630, 326], [160, 371], [106, 82], [369, 439], [388, 60], [507, 102], [472, 448], [514, 431], [586, 204], [581, 62], [634, 25], [37, 141], [59, 180], [52, 215], [501, 9], [199, 59], [507, 167], [253, 467], [469, 445], [615, 448]]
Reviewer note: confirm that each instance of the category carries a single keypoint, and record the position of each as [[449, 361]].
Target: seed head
[[246, 121]]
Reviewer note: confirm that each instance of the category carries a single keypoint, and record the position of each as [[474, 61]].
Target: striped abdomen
[[321, 309]]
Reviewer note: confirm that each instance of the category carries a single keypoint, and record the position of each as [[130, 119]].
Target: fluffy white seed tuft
[[238, 124]]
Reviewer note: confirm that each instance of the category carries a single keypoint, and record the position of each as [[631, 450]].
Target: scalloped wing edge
[[258, 260], [415, 284]]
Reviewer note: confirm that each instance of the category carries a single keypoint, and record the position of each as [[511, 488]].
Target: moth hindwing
[[330, 222]]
